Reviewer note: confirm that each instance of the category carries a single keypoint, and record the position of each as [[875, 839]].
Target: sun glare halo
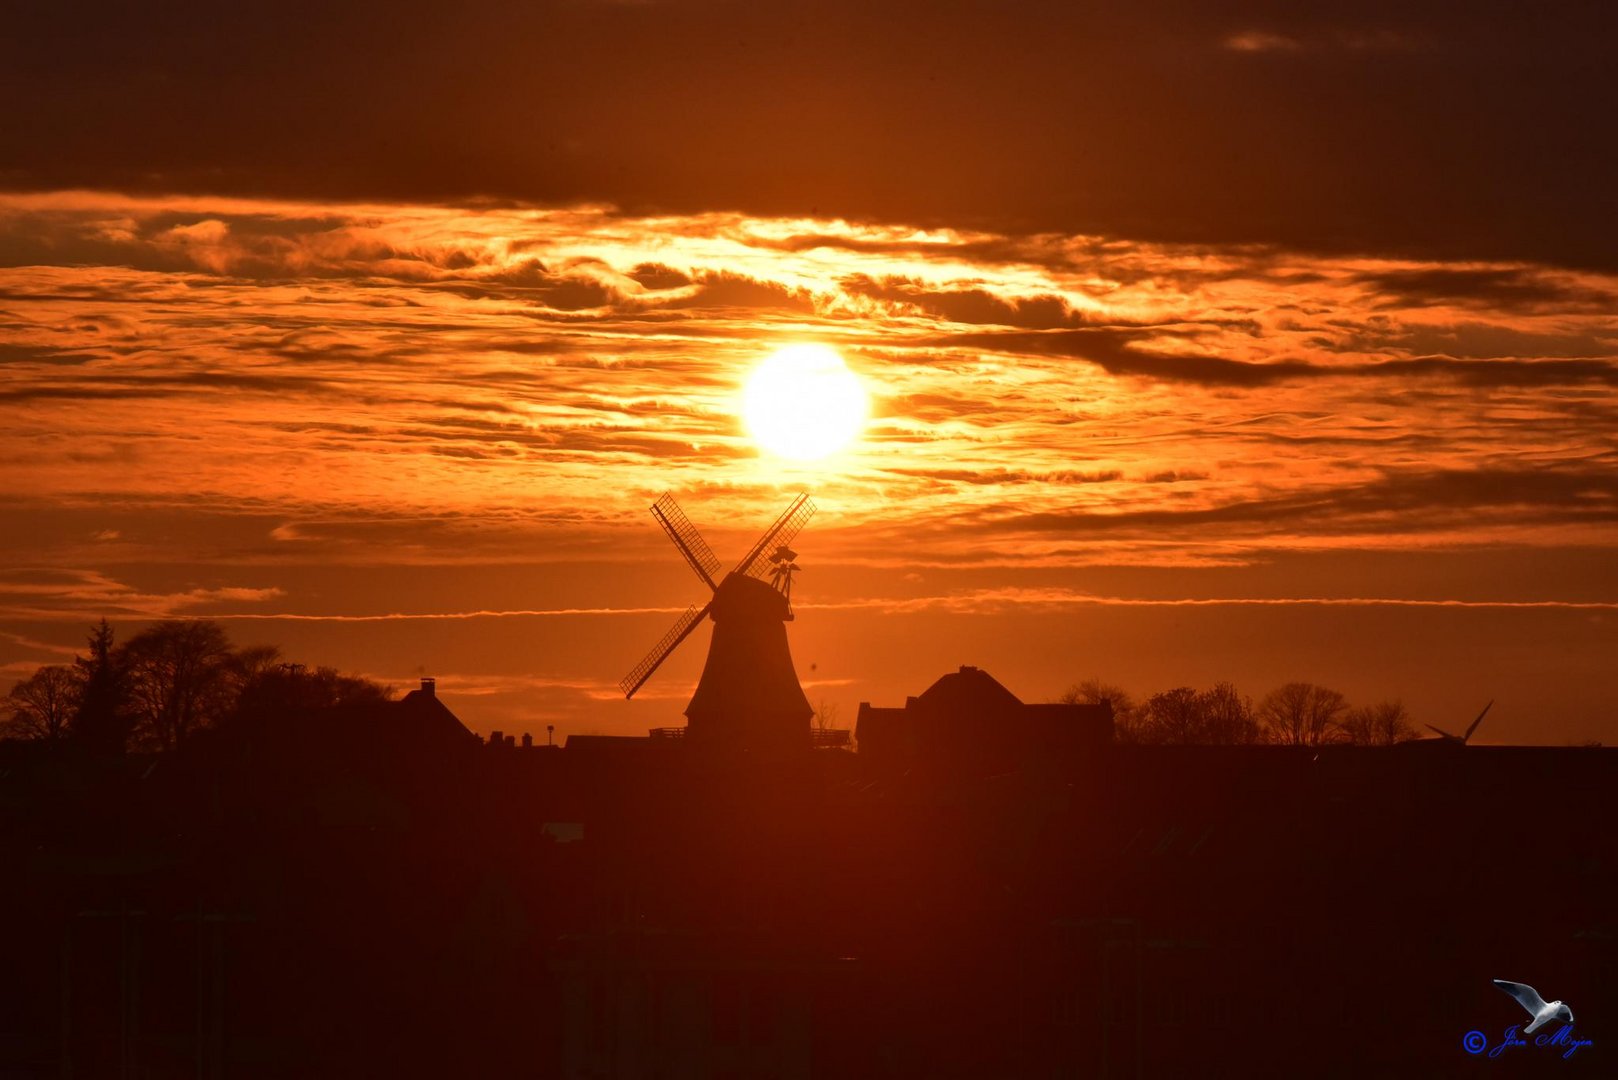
[[802, 402]]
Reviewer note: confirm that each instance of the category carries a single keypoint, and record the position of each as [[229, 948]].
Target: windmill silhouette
[[748, 696], [1461, 740]]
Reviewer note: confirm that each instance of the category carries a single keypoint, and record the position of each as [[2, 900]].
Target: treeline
[[165, 684], [1296, 714]]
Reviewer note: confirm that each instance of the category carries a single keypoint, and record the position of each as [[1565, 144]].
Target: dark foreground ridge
[[987, 889]]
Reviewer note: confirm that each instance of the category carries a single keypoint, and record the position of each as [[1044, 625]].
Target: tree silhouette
[[1220, 716], [1297, 714], [825, 724], [103, 719], [253, 661], [43, 705], [825, 715], [1227, 717], [1302, 714], [183, 676], [1382, 724], [1169, 718], [166, 683], [282, 689], [1093, 691]]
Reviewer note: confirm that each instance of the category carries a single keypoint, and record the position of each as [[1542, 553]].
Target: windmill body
[[749, 693], [748, 697]]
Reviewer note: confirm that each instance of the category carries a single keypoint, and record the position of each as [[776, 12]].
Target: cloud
[[1000, 600], [1008, 476], [968, 305], [987, 601], [1395, 500], [657, 277], [440, 616], [1501, 372], [45, 650], [134, 387], [32, 594], [1116, 352], [1306, 38], [413, 385], [1495, 288], [975, 131], [720, 289], [1261, 41]]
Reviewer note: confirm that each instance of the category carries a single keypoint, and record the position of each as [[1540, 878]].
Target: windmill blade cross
[[787, 526], [660, 652], [698, 555]]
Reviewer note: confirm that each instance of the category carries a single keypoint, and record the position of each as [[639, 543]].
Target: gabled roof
[[970, 689], [420, 716]]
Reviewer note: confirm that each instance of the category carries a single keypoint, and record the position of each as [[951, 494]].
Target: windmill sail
[[660, 652], [697, 553], [787, 526]]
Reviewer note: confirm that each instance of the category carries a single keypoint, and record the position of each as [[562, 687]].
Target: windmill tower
[[748, 696]]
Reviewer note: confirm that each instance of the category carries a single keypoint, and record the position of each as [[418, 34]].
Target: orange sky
[[408, 437], [1246, 341]]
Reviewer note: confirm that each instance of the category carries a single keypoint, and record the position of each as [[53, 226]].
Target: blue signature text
[[1562, 1039]]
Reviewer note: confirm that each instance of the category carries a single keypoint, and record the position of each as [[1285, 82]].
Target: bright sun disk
[[802, 402]]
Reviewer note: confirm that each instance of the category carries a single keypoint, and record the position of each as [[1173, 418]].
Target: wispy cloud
[[84, 595], [968, 602]]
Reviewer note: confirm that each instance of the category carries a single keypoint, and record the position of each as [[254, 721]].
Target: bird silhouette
[[1542, 1011]]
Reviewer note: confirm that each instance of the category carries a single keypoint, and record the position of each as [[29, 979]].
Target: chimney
[[429, 686]]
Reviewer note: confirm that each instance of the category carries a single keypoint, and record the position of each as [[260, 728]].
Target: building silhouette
[[748, 698], [968, 721], [987, 888]]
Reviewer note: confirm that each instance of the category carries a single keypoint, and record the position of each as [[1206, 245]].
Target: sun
[[802, 402]]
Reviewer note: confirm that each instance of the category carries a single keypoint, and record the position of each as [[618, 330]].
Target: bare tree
[[42, 706], [1227, 717], [1382, 724], [826, 732], [1093, 691], [1172, 718], [1302, 714], [183, 676], [1220, 716], [253, 661]]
